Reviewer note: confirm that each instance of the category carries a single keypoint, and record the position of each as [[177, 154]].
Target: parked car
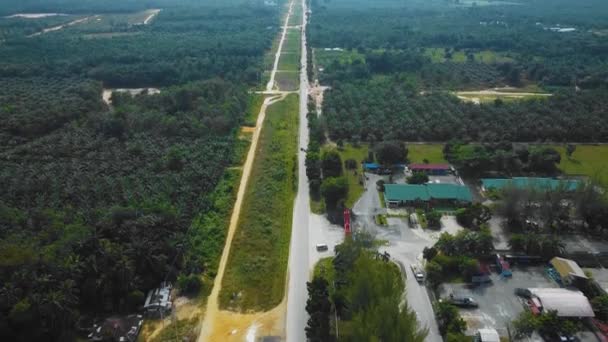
[[321, 247], [463, 302], [557, 337], [418, 273], [521, 292]]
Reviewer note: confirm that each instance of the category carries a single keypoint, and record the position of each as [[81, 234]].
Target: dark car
[[525, 293]]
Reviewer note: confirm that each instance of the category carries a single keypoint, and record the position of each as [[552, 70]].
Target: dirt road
[[153, 13], [224, 325], [212, 312], [270, 85], [60, 27]]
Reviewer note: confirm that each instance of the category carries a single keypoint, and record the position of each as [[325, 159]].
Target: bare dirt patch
[[107, 93]]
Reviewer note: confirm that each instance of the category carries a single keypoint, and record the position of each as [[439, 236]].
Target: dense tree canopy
[[101, 203]]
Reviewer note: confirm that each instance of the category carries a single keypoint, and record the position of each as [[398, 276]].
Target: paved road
[[405, 245], [299, 251]]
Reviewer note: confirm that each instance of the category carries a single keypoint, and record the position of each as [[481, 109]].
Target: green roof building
[[449, 192], [410, 194], [538, 183]]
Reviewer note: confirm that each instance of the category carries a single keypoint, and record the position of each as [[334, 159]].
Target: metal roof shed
[[449, 192], [405, 192], [567, 267], [488, 335], [567, 303]]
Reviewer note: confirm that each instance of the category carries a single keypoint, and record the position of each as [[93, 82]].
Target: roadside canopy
[[567, 267]]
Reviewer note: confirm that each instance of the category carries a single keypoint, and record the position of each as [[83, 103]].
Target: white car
[[418, 273]]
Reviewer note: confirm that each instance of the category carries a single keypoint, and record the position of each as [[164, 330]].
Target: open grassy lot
[[288, 80], [296, 15], [324, 57], [588, 160], [293, 41], [255, 274], [289, 61], [438, 55], [433, 153]]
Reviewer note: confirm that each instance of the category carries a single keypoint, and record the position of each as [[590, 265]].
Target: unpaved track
[[224, 325], [153, 14], [270, 85], [212, 311], [61, 27]]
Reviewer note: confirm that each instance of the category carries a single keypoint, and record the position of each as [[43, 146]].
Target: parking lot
[[498, 305]]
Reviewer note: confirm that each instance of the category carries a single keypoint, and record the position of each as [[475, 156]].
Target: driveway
[[405, 246]]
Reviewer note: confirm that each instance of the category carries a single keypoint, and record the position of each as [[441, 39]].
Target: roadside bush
[[350, 164], [334, 189], [418, 178], [429, 253], [189, 284], [433, 219], [473, 216], [331, 164], [448, 319], [600, 306]]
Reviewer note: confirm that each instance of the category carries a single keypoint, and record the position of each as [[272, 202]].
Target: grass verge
[[381, 197], [255, 274], [289, 61], [255, 103], [587, 160], [433, 153]]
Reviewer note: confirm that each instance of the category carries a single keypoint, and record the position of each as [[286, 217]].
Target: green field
[[588, 160], [433, 153], [293, 41], [289, 61], [287, 80], [260, 249], [438, 55], [324, 58]]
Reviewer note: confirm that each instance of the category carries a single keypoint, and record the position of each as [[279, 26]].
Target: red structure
[[346, 221], [431, 169]]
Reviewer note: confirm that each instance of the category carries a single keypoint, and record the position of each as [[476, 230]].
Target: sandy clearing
[[60, 27], [107, 93], [153, 13], [499, 93], [477, 97], [35, 15]]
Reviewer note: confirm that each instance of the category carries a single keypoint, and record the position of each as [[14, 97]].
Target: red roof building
[[433, 169], [429, 167]]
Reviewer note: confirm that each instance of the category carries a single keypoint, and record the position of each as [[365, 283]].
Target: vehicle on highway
[[321, 247], [418, 273], [463, 302]]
